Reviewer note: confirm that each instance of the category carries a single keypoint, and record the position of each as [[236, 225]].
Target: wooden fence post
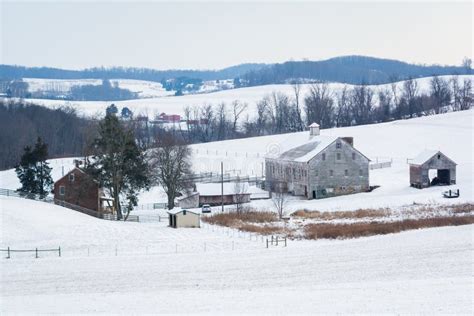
[[8, 253], [36, 252], [267, 242], [59, 251], [285, 241]]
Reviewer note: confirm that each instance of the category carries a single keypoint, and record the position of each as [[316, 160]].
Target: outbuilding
[[180, 218], [432, 167]]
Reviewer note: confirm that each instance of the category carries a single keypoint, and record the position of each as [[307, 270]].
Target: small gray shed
[[432, 160], [179, 218]]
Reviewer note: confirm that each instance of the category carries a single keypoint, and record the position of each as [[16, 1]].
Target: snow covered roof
[[426, 155], [206, 189], [314, 125], [177, 210], [306, 152]]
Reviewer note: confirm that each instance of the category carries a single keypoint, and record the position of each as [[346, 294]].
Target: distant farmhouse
[[80, 189], [432, 160], [323, 167]]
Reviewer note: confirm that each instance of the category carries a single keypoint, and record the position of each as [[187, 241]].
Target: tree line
[[22, 123], [281, 113]]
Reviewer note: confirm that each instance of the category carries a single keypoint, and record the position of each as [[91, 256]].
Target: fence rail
[[36, 251]]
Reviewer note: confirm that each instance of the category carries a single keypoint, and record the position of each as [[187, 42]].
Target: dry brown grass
[[342, 231], [327, 216], [263, 230], [462, 208], [236, 219]]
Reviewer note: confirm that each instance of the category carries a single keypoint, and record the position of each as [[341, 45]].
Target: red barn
[[79, 188]]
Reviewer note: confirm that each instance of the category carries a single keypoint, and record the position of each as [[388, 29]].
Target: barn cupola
[[313, 130]]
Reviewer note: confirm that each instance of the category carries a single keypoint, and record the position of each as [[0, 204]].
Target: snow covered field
[[426, 271], [145, 89], [146, 267], [176, 105], [452, 133]]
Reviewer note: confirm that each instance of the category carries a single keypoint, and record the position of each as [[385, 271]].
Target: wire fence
[[48, 199], [36, 251]]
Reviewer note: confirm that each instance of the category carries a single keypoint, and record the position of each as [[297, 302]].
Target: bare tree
[[319, 105], [362, 104], [409, 93], [171, 167], [297, 91], [240, 189], [465, 95], [343, 111], [279, 197], [440, 93], [237, 109]]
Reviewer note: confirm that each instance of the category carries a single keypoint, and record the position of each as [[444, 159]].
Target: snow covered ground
[[452, 133], [145, 89], [398, 141], [426, 271], [176, 105], [146, 267]]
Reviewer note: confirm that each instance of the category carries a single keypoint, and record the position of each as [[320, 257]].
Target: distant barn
[[432, 160]]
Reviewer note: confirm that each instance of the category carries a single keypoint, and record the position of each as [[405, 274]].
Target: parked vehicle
[[206, 208]]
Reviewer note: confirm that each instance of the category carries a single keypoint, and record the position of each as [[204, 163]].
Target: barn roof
[[306, 152], [426, 155]]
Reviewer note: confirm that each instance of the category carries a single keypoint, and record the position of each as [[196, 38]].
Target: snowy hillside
[[116, 267], [127, 267], [397, 141], [176, 105], [145, 89]]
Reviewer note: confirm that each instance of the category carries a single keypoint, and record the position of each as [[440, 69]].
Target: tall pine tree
[[33, 171], [118, 164]]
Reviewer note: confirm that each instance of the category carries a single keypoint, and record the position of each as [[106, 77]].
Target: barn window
[[331, 173], [324, 156], [346, 172], [62, 190], [338, 145], [316, 173], [353, 156], [439, 156], [184, 212], [338, 156], [360, 172], [71, 177]]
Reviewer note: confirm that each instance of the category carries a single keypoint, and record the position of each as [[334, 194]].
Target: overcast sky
[[211, 35]]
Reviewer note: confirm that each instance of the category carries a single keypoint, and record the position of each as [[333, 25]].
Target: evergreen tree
[[118, 164], [33, 171]]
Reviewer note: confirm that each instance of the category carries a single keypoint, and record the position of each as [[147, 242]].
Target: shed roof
[[314, 124], [426, 155], [306, 152], [178, 210]]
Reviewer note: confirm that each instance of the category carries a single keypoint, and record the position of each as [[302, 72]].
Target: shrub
[[342, 231], [235, 219], [360, 213]]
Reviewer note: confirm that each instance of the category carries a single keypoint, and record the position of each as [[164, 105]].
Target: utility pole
[[222, 186]]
